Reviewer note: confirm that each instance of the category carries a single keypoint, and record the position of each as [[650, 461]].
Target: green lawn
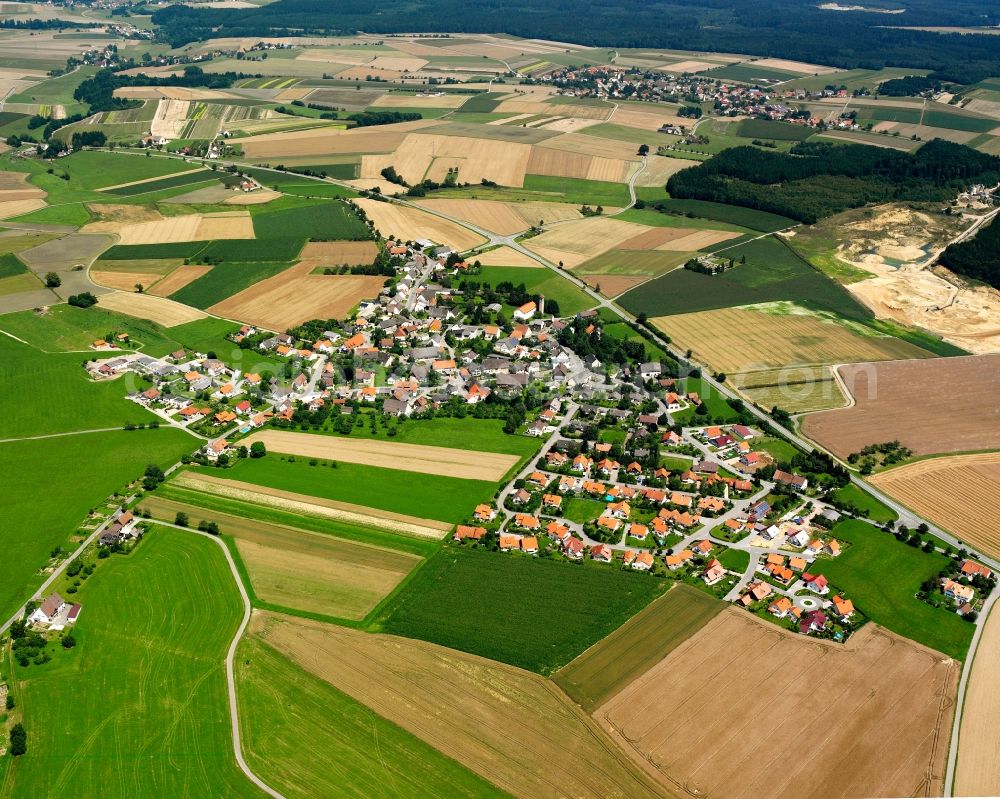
[[308, 740], [539, 280], [735, 560], [578, 190], [881, 575], [772, 272], [580, 510], [139, 706], [534, 613], [447, 499], [862, 500], [719, 409], [51, 393], [778, 448], [80, 471]]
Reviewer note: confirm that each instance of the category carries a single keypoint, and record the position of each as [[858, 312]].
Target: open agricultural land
[[977, 771], [195, 240], [511, 727], [957, 492], [888, 408], [887, 712]]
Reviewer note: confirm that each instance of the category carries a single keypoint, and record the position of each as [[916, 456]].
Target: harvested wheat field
[[340, 252], [698, 240], [258, 197], [11, 208], [123, 280], [959, 492], [680, 67], [796, 389], [430, 154], [944, 405], [301, 569], [295, 295], [747, 340], [145, 306], [613, 285], [408, 100], [504, 256], [178, 279], [312, 506], [329, 141], [746, 709], [645, 120], [444, 461], [511, 727], [193, 227], [591, 145], [576, 242], [564, 164], [410, 224], [659, 169], [14, 187], [977, 770], [654, 238], [505, 218]]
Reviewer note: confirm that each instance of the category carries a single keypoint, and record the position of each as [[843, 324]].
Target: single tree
[[52, 280]]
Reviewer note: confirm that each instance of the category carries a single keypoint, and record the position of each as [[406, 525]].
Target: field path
[[234, 714]]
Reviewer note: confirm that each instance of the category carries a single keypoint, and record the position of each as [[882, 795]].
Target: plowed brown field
[[936, 406], [744, 709]]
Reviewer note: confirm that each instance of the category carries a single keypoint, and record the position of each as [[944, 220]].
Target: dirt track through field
[[744, 709], [934, 406], [444, 461], [313, 506], [960, 493], [511, 727]]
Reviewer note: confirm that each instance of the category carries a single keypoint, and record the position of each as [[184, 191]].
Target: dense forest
[[979, 257], [796, 29], [816, 180]]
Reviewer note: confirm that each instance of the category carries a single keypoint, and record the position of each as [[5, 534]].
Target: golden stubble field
[[931, 406], [746, 709], [959, 492], [977, 770], [295, 295], [145, 306], [409, 224], [505, 218], [511, 727], [313, 506], [424, 154], [444, 461], [742, 340]]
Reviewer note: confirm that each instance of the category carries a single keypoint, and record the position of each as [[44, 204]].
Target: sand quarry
[[897, 245], [444, 461], [746, 709]]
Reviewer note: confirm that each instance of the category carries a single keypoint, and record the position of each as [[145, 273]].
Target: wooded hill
[[816, 180], [979, 257]]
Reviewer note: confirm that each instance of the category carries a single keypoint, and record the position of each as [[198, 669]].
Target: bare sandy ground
[[444, 461]]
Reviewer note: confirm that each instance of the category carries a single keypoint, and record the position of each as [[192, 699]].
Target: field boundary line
[[234, 715]]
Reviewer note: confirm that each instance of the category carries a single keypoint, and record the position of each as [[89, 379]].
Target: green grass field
[[735, 215], [308, 219], [580, 509], [778, 131], [636, 646], [184, 178], [246, 251], [772, 272], [571, 300], [580, 191], [153, 252], [81, 471], [158, 622], [946, 119], [66, 328], [534, 613], [881, 575], [51, 393], [910, 116], [309, 740], [778, 448], [735, 560], [645, 216], [718, 408], [854, 496], [224, 280], [447, 499], [11, 265], [750, 73], [90, 170]]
